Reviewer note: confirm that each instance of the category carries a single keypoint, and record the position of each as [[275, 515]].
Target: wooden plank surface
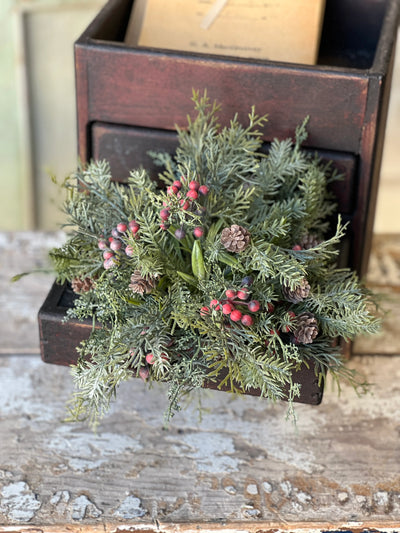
[[242, 468]]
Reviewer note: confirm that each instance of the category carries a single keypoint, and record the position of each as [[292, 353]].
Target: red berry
[[144, 373], [297, 247], [129, 250], [203, 189], [247, 320], [192, 194], [122, 227], [198, 232], [109, 263], [236, 315], [132, 224], [115, 245], [164, 214], [292, 314], [254, 306], [172, 189], [110, 239], [216, 304], [194, 185], [204, 311], [115, 233], [177, 184], [185, 204], [285, 329], [243, 294], [230, 293], [134, 228], [227, 308], [102, 244], [270, 307], [164, 226], [107, 254], [150, 358], [180, 234]]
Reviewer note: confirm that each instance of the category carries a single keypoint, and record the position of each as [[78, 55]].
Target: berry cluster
[[187, 202], [234, 302], [115, 244], [144, 371]]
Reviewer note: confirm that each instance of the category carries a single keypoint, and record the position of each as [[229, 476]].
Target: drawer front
[[126, 148], [153, 89]]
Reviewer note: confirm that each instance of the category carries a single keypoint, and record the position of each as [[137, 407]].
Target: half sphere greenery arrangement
[[226, 273]]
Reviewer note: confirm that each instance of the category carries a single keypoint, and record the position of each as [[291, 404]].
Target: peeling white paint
[[211, 451], [267, 486], [130, 508], [250, 512], [381, 498], [82, 508], [252, 489], [86, 450], [230, 489], [286, 488], [362, 500], [343, 497], [19, 394], [303, 497], [61, 496], [269, 437], [60, 502], [18, 502]]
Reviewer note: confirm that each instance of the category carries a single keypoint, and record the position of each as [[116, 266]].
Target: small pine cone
[[306, 328], [298, 294], [142, 284], [309, 241], [80, 286], [235, 239]]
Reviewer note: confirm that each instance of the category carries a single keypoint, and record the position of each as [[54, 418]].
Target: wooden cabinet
[[130, 99]]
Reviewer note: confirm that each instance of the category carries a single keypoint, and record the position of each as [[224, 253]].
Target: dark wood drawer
[[58, 342], [126, 148]]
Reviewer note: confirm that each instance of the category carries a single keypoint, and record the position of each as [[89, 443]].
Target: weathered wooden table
[[241, 468]]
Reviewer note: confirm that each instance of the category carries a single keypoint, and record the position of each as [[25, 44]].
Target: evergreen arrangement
[[226, 274]]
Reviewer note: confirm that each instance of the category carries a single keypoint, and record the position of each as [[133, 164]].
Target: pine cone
[[298, 294], [309, 241], [235, 239], [142, 284], [80, 286], [306, 328]]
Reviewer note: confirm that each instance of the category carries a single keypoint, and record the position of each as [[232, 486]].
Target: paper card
[[278, 30]]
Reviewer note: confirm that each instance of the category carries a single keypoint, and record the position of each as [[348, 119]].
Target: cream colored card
[[278, 30]]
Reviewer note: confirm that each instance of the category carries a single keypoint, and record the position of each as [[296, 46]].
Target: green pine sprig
[[158, 286]]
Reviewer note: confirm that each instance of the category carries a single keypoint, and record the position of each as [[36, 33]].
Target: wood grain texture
[[20, 302], [241, 468], [242, 462]]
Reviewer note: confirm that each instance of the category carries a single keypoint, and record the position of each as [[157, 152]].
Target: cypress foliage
[[178, 303]]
